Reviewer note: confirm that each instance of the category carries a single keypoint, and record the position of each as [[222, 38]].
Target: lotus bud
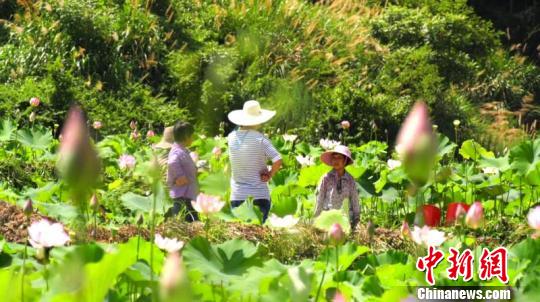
[[416, 144], [32, 117], [94, 203], [78, 162], [97, 125], [140, 219], [405, 230], [475, 215], [456, 123], [336, 234], [28, 209], [345, 125], [150, 134], [133, 125], [34, 102]]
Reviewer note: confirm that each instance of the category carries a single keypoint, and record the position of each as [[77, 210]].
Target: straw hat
[[326, 157], [167, 139], [251, 114]]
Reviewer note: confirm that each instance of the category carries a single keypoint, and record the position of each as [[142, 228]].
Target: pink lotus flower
[[345, 125], [534, 220], [207, 204], [34, 102], [150, 133], [216, 151], [416, 144], [336, 234], [32, 117], [427, 237], [194, 156], [133, 125], [44, 234], [328, 144], [289, 137], [475, 215], [405, 230], [97, 125], [287, 221], [168, 244], [305, 161], [135, 135], [126, 161]]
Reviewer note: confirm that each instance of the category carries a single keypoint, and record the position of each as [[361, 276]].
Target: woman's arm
[[321, 195], [354, 206]]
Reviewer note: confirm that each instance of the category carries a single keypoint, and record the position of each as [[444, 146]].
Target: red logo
[[493, 264], [430, 262], [460, 265]]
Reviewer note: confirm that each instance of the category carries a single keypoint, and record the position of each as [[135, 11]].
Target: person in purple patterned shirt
[[182, 173], [337, 185]]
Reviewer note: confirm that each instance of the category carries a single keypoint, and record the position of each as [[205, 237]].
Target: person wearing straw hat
[[249, 152], [164, 145], [337, 185]]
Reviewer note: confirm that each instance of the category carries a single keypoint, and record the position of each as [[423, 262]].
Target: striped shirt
[[249, 152]]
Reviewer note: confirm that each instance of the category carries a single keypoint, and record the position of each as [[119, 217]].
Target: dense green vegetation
[[155, 61]]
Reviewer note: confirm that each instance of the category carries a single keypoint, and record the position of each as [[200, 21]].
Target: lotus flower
[[150, 133], [216, 151], [290, 137], [32, 117], [534, 220], [133, 125], [194, 156], [207, 204], [427, 237], [405, 230], [490, 170], [126, 161], [34, 102], [78, 161], [455, 210], [328, 144], [168, 244], [336, 234], [97, 125], [475, 215], [456, 123], [345, 125], [44, 234], [305, 161], [392, 164], [416, 144], [287, 221]]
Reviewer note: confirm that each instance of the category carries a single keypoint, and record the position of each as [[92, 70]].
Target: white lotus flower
[[170, 245], [126, 161], [207, 204], [328, 144], [392, 164], [427, 237], [290, 137], [305, 161], [44, 234], [287, 221]]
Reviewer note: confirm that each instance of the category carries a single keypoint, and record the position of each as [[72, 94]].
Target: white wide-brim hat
[[252, 114], [167, 140], [326, 157]]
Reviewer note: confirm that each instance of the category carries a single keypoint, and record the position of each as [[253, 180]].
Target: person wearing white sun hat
[[249, 152]]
